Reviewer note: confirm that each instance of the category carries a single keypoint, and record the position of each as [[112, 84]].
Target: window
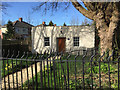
[[46, 41], [76, 41], [24, 29]]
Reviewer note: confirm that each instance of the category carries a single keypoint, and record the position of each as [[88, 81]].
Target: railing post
[[76, 71], [12, 70], [32, 74], [83, 62], [44, 70], [48, 71], [4, 70], [21, 71], [8, 69], [91, 60], [17, 70], [68, 70], [54, 71], [36, 82], [109, 68], [51, 67], [100, 70], [41, 75], [27, 69], [118, 73], [65, 82], [58, 70]]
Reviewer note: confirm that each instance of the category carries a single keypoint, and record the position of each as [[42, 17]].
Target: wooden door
[[61, 44]]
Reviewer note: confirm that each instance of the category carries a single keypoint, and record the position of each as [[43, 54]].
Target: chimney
[[20, 19], [43, 23], [54, 24]]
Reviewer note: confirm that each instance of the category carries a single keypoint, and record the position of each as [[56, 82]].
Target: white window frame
[[46, 41], [76, 41]]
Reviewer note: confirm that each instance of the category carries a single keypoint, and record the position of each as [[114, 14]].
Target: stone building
[[62, 38]]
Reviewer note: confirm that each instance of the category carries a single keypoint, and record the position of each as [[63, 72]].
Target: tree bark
[[82, 10], [106, 33]]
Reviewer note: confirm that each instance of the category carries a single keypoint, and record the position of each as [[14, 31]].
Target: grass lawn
[[58, 74]]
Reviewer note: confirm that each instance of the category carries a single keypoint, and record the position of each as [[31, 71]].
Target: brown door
[[61, 44]]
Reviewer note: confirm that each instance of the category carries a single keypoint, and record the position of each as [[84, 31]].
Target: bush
[[103, 68]]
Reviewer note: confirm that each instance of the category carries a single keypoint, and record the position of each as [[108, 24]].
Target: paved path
[[24, 73]]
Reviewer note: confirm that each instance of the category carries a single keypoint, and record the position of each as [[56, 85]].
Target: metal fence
[[59, 70]]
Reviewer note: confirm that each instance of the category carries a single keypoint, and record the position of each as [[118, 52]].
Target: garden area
[[65, 70], [68, 72], [18, 62]]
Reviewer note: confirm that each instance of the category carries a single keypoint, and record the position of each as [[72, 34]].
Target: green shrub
[[103, 68]]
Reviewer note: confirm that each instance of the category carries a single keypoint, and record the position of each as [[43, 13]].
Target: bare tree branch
[[3, 7], [51, 6], [82, 10], [39, 6]]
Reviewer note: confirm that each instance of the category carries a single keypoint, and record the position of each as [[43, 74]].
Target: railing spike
[[111, 55], [77, 54], [13, 54], [18, 54], [85, 54], [91, 58], [68, 55], [8, 53], [36, 55], [23, 55], [3, 52], [27, 55]]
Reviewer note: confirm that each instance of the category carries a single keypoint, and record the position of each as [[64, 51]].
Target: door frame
[[57, 43]]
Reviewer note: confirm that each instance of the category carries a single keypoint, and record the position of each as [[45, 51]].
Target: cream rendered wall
[[4, 29], [86, 36]]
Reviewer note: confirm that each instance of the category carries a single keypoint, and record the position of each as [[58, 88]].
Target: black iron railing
[[59, 70]]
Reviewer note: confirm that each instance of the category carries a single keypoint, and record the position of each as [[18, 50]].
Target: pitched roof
[[22, 23]]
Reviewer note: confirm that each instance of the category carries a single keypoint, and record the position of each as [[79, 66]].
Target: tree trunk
[[106, 32], [106, 41], [106, 16]]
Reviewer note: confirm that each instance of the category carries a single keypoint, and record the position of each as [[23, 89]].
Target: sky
[[24, 10]]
